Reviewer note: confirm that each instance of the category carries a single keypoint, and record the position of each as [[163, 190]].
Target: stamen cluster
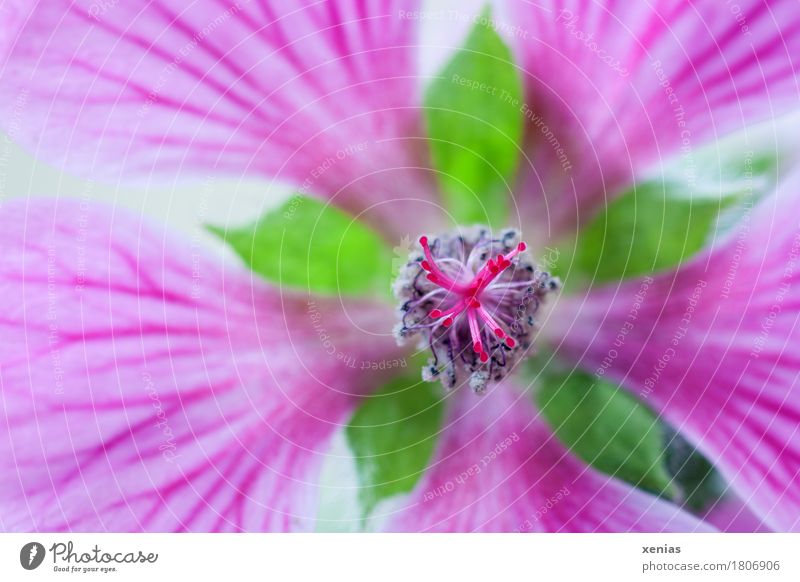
[[472, 299]]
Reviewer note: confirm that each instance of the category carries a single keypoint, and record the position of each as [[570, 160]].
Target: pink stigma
[[470, 296]]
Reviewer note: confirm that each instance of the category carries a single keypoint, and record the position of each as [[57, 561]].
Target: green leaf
[[313, 246], [392, 436], [699, 482], [474, 117], [660, 223], [646, 230], [605, 427]]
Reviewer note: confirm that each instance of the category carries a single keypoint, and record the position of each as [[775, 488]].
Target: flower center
[[471, 299]]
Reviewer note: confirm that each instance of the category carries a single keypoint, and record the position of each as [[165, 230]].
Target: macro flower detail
[[620, 292], [472, 298]]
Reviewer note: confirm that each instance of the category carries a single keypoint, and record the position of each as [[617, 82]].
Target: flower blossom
[[151, 385]]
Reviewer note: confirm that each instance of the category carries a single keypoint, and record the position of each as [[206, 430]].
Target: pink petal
[[713, 347], [498, 468], [146, 387], [731, 515], [320, 94], [623, 86]]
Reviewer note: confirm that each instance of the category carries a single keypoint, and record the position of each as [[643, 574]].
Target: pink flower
[[150, 385]]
